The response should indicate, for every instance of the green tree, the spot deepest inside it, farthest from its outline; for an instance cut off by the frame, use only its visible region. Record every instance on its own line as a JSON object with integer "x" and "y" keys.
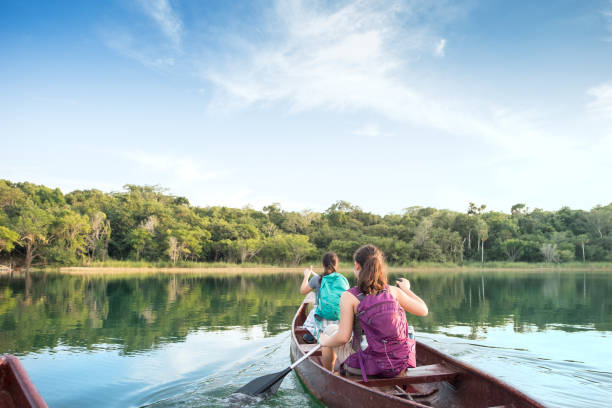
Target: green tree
{"x": 138, "y": 239}
{"x": 8, "y": 239}
{"x": 513, "y": 248}
{"x": 99, "y": 236}
{"x": 582, "y": 240}
{"x": 482, "y": 229}
{"x": 69, "y": 230}
{"x": 32, "y": 225}
{"x": 549, "y": 251}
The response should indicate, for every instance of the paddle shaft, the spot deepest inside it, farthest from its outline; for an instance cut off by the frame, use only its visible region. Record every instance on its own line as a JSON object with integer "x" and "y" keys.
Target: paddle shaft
{"x": 305, "y": 356}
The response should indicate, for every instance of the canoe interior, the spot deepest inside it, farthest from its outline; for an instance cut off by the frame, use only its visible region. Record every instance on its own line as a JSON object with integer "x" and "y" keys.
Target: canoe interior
{"x": 437, "y": 381}
{"x": 16, "y": 388}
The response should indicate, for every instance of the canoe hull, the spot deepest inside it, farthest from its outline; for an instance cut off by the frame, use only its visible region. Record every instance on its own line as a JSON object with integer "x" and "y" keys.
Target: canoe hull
{"x": 16, "y": 388}
{"x": 449, "y": 383}
{"x": 333, "y": 390}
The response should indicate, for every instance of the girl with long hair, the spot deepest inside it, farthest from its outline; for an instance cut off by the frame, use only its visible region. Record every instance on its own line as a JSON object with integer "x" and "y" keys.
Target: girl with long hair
{"x": 381, "y": 342}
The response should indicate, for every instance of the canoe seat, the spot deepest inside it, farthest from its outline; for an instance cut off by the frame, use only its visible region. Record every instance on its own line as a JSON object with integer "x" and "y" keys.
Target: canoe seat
{"x": 300, "y": 331}
{"x": 418, "y": 375}
{"x": 307, "y": 347}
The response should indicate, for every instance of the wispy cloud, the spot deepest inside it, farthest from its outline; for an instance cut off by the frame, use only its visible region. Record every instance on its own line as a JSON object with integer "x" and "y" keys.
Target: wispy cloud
{"x": 363, "y": 56}
{"x": 123, "y": 42}
{"x": 439, "y": 50}
{"x": 176, "y": 168}
{"x": 369, "y": 130}
{"x": 343, "y": 58}
{"x": 607, "y": 15}
{"x": 151, "y": 50}
{"x": 165, "y": 16}
{"x": 367, "y": 57}
{"x": 602, "y": 98}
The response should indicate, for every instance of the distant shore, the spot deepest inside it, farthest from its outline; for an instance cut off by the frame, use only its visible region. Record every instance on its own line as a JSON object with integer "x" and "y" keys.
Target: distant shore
{"x": 127, "y": 267}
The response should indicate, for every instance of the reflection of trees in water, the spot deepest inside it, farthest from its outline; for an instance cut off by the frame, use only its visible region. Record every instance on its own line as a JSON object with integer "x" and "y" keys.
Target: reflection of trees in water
{"x": 138, "y": 313}
{"x": 525, "y": 299}
{"x": 141, "y": 313}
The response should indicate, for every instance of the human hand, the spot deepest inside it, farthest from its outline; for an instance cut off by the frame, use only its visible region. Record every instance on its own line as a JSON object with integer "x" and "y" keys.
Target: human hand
{"x": 307, "y": 271}
{"x": 329, "y": 332}
{"x": 403, "y": 284}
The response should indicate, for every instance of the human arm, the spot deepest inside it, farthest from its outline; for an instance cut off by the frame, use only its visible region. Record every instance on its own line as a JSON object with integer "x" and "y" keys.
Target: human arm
{"x": 305, "y": 287}
{"x": 348, "y": 303}
{"x": 408, "y": 300}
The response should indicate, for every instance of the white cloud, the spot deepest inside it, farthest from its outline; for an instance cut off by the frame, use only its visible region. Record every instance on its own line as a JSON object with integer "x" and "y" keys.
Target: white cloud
{"x": 602, "y": 98}
{"x": 608, "y": 17}
{"x": 369, "y": 130}
{"x": 361, "y": 57}
{"x": 175, "y": 168}
{"x": 364, "y": 57}
{"x": 166, "y": 18}
{"x": 440, "y": 47}
{"x": 142, "y": 46}
{"x": 124, "y": 43}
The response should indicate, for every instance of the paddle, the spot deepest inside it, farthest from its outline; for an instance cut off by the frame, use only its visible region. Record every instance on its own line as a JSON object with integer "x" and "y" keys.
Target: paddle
{"x": 268, "y": 384}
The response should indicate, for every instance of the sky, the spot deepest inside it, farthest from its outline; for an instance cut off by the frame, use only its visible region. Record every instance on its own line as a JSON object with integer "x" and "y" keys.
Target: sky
{"x": 384, "y": 104}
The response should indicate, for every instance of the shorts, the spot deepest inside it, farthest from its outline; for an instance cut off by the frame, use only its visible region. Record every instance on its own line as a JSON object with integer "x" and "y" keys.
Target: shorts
{"x": 342, "y": 352}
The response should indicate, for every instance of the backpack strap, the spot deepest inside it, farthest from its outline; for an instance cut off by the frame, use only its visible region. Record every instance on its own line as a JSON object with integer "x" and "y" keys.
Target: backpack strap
{"x": 318, "y": 295}
{"x": 361, "y": 366}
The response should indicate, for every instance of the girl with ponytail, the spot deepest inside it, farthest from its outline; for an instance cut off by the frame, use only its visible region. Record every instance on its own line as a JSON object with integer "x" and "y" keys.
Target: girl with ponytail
{"x": 328, "y": 288}
{"x": 381, "y": 341}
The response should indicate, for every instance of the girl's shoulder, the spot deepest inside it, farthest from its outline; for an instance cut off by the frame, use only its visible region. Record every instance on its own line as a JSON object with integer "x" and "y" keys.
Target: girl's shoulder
{"x": 393, "y": 290}
{"x": 351, "y": 294}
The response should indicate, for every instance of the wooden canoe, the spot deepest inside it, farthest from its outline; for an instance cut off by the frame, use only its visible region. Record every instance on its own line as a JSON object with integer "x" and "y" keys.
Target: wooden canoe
{"x": 16, "y": 388}
{"x": 437, "y": 381}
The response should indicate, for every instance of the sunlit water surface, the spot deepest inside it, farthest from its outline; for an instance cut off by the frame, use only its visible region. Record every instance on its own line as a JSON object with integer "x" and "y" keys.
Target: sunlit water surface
{"x": 190, "y": 341}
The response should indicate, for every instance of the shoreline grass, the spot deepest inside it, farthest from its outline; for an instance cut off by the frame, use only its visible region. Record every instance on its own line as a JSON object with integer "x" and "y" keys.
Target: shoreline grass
{"x": 117, "y": 266}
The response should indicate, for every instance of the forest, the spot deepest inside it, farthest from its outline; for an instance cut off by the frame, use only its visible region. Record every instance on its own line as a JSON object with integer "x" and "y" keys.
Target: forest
{"x": 42, "y": 226}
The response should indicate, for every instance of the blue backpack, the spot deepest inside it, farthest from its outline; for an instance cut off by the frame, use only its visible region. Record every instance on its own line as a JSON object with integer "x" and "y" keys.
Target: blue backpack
{"x": 328, "y": 296}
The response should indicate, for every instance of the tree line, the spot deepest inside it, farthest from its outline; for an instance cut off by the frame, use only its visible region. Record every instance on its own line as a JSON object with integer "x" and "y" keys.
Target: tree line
{"x": 40, "y": 225}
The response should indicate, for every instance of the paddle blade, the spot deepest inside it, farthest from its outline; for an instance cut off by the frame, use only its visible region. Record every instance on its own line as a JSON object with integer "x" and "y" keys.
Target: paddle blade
{"x": 264, "y": 386}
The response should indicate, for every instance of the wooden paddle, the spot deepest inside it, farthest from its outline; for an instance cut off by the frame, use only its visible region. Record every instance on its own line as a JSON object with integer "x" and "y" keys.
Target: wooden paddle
{"x": 268, "y": 384}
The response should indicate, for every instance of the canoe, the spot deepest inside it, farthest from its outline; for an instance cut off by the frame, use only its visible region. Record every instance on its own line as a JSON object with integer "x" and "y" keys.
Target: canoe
{"x": 16, "y": 388}
{"x": 438, "y": 380}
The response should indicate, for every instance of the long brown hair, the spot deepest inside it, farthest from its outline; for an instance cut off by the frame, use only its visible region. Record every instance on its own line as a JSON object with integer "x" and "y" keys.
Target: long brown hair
{"x": 330, "y": 263}
{"x": 373, "y": 275}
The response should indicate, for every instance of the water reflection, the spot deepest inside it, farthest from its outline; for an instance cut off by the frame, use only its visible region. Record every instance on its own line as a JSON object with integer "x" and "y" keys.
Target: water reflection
{"x": 557, "y": 301}
{"x": 139, "y": 313}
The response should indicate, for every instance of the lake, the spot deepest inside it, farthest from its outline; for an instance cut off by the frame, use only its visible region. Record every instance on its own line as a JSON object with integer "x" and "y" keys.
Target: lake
{"x": 168, "y": 340}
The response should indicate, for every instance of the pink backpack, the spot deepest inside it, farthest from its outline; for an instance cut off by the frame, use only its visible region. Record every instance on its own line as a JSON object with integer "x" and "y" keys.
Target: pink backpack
{"x": 383, "y": 321}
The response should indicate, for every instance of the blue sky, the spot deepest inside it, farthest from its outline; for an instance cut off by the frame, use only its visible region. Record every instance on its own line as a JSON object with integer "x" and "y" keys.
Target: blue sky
{"x": 383, "y": 104}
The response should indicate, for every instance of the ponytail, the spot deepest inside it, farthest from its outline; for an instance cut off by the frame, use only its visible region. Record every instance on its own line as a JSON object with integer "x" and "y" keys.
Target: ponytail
{"x": 373, "y": 276}
{"x": 330, "y": 263}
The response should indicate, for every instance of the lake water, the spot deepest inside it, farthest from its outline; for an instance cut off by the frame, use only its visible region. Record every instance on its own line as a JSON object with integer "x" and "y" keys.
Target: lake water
{"x": 165, "y": 340}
